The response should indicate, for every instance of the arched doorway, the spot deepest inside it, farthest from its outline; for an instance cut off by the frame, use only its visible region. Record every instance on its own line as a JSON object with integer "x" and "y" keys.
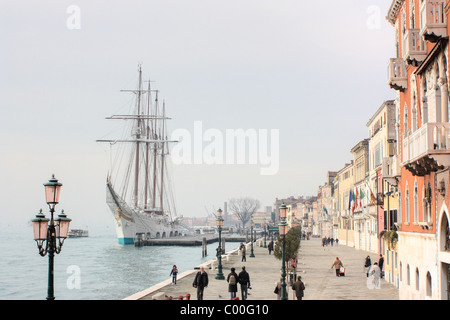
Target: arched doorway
{"x": 444, "y": 256}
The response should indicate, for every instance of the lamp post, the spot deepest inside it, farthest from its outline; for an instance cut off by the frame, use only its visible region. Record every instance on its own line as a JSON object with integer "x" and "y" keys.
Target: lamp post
{"x": 283, "y": 227}
{"x": 265, "y": 233}
{"x": 219, "y": 222}
{"x": 49, "y": 233}
{"x": 252, "y": 224}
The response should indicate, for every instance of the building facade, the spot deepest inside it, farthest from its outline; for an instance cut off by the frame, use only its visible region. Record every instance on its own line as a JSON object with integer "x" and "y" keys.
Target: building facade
{"x": 419, "y": 75}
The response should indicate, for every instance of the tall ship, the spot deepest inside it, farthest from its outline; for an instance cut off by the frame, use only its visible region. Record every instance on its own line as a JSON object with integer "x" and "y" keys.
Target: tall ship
{"x": 139, "y": 188}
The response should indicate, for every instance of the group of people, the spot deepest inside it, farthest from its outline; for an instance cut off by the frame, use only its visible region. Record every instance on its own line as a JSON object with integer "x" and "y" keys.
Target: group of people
{"x": 298, "y": 287}
{"x": 243, "y": 278}
{"x": 374, "y": 272}
{"x": 327, "y": 240}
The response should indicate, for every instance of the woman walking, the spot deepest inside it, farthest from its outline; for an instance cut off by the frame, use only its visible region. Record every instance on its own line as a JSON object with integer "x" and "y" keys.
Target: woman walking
{"x": 232, "y": 280}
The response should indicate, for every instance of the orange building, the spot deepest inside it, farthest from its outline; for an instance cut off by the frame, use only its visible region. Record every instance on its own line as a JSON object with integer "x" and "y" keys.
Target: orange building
{"x": 419, "y": 74}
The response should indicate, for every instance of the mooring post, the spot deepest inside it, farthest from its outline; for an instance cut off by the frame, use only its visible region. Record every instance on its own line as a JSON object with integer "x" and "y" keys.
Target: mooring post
{"x": 204, "y": 251}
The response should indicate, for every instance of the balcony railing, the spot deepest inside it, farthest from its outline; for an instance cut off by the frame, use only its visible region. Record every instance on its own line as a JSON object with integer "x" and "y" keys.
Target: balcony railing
{"x": 432, "y": 140}
{"x": 397, "y": 76}
{"x": 391, "y": 169}
{"x": 414, "y": 48}
{"x": 433, "y": 20}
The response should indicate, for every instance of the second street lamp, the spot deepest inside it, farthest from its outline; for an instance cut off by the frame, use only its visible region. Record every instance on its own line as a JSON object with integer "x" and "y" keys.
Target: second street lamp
{"x": 252, "y": 224}
{"x": 283, "y": 228}
{"x": 219, "y": 222}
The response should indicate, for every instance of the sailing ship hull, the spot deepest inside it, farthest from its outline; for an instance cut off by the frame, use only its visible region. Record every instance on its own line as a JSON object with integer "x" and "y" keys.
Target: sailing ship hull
{"x": 130, "y": 224}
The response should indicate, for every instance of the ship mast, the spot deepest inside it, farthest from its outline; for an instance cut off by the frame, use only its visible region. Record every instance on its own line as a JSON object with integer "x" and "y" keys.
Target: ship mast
{"x": 162, "y": 155}
{"x": 155, "y": 147}
{"x": 138, "y": 136}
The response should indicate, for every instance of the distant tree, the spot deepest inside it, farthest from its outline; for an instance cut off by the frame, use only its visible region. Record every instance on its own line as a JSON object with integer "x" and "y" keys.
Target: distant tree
{"x": 244, "y": 208}
{"x": 291, "y": 247}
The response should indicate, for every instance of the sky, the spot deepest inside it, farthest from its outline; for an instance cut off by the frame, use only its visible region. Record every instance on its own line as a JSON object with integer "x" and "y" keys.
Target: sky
{"x": 314, "y": 71}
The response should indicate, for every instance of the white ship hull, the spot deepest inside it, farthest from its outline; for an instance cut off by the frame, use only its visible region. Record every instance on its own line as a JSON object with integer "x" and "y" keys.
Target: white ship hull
{"x": 130, "y": 223}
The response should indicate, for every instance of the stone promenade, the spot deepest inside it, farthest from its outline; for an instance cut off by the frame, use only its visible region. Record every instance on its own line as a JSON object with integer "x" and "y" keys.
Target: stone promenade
{"x": 314, "y": 267}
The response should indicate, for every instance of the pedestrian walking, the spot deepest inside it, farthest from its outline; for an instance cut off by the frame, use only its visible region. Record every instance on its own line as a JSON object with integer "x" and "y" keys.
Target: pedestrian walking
{"x": 232, "y": 280}
{"x": 337, "y": 265}
{"x": 270, "y": 247}
{"x": 299, "y": 288}
{"x": 337, "y": 242}
{"x": 174, "y": 273}
{"x": 200, "y": 282}
{"x": 367, "y": 265}
{"x": 380, "y": 265}
{"x": 243, "y": 254}
{"x": 244, "y": 281}
{"x": 277, "y": 290}
{"x": 374, "y": 277}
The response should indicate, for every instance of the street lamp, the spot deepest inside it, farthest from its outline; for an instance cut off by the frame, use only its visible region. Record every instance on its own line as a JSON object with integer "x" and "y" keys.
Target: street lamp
{"x": 219, "y": 222}
{"x": 265, "y": 233}
{"x": 283, "y": 228}
{"x": 252, "y": 224}
{"x": 49, "y": 233}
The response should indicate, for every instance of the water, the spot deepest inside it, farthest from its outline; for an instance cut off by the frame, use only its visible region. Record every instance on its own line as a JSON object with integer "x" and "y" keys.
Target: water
{"x": 93, "y": 268}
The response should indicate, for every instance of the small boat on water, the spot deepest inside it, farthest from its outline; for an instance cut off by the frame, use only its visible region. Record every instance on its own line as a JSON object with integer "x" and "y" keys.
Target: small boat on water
{"x": 78, "y": 233}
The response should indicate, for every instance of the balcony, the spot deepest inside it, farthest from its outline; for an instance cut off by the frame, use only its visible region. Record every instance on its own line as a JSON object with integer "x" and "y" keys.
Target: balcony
{"x": 414, "y": 48}
{"x": 427, "y": 149}
{"x": 391, "y": 170}
{"x": 433, "y": 20}
{"x": 397, "y": 76}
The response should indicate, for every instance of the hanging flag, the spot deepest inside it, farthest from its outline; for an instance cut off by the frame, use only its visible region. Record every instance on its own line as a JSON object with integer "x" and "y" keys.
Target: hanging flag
{"x": 350, "y": 200}
{"x": 362, "y": 195}
{"x": 356, "y": 204}
{"x": 325, "y": 209}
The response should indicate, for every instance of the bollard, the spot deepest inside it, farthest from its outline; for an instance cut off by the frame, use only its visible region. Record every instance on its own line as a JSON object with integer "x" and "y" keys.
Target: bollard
{"x": 188, "y": 297}
{"x": 204, "y": 251}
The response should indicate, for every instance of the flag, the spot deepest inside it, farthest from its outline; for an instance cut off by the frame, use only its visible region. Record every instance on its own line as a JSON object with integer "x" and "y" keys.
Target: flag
{"x": 325, "y": 209}
{"x": 362, "y": 195}
{"x": 350, "y": 200}
{"x": 354, "y": 202}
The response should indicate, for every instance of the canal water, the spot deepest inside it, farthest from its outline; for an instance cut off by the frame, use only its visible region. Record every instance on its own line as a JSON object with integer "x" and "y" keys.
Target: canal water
{"x": 93, "y": 268}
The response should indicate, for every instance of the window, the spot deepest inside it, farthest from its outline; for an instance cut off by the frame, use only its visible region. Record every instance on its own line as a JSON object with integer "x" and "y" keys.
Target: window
{"x": 416, "y": 204}
{"x": 407, "y": 204}
{"x": 417, "y": 279}
{"x": 408, "y": 275}
{"x": 429, "y": 285}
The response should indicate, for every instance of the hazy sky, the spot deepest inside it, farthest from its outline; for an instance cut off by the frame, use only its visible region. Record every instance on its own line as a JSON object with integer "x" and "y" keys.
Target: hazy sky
{"x": 315, "y": 70}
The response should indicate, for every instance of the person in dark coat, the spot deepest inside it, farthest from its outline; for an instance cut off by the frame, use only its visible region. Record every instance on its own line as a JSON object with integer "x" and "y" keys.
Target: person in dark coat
{"x": 232, "y": 280}
{"x": 244, "y": 280}
{"x": 380, "y": 264}
{"x": 299, "y": 288}
{"x": 200, "y": 282}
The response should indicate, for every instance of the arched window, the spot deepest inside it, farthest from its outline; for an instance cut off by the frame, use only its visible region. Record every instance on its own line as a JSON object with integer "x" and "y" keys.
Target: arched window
{"x": 407, "y": 204}
{"x": 429, "y": 285}
{"x": 408, "y": 275}
{"x": 417, "y": 279}
{"x": 401, "y": 272}
{"x": 416, "y": 203}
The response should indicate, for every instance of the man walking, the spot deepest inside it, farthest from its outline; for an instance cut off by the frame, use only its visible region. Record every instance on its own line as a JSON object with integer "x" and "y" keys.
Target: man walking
{"x": 244, "y": 280}
{"x": 337, "y": 264}
{"x": 380, "y": 265}
{"x": 243, "y": 254}
{"x": 200, "y": 282}
{"x": 299, "y": 288}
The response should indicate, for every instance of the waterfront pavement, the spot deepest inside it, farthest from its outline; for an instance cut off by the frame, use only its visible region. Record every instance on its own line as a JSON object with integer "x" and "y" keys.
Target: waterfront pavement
{"x": 314, "y": 266}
